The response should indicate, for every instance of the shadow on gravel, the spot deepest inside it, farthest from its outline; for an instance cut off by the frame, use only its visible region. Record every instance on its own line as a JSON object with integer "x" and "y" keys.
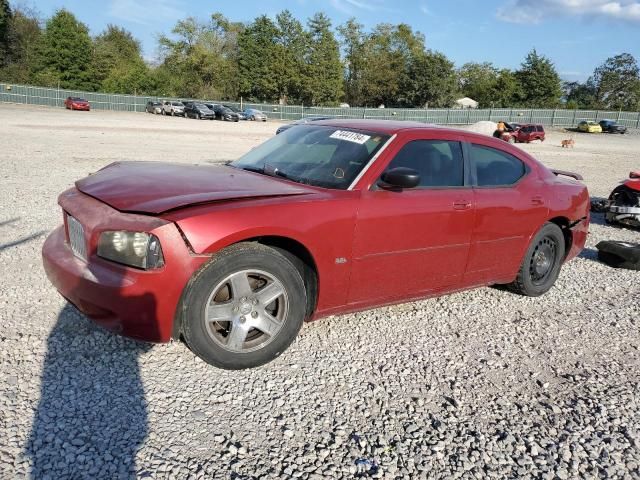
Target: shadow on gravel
{"x": 9, "y": 222}
{"x": 20, "y": 241}
{"x": 92, "y": 414}
{"x": 589, "y": 254}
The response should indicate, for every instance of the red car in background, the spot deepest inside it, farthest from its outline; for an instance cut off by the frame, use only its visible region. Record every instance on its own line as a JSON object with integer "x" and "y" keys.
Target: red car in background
{"x": 77, "y": 103}
{"x": 529, "y": 133}
{"x": 516, "y": 133}
{"x": 325, "y": 218}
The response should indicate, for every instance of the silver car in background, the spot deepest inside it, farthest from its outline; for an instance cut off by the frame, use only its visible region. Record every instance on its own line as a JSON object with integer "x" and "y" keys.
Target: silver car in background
{"x": 256, "y": 115}
{"x": 173, "y": 108}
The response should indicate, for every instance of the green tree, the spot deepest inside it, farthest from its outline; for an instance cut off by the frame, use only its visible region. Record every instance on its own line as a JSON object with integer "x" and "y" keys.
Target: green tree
{"x": 200, "y": 58}
{"x": 432, "y": 80}
{"x": 580, "y": 95}
{"x": 389, "y": 52}
{"x": 24, "y": 35}
{"x": 353, "y": 39}
{"x": 617, "y": 83}
{"x": 118, "y": 63}
{"x": 478, "y": 81}
{"x": 5, "y": 29}
{"x": 506, "y": 89}
{"x": 324, "y": 73}
{"x": 258, "y": 59}
{"x": 293, "y": 43}
{"x": 64, "y": 54}
{"x": 539, "y": 81}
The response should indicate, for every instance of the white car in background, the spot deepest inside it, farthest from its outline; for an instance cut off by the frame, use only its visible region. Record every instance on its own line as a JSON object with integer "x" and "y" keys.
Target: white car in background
{"x": 173, "y": 108}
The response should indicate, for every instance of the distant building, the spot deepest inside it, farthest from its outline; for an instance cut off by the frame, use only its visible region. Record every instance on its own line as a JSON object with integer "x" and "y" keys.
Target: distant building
{"x": 465, "y": 102}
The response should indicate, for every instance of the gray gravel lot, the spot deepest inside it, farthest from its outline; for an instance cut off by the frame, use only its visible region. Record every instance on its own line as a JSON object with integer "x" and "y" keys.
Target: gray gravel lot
{"x": 481, "y": 384}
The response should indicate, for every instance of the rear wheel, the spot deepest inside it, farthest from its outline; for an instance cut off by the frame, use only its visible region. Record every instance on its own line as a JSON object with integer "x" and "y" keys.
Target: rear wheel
{"x": 244, "y": 308}
{"x": 542, "y": 262}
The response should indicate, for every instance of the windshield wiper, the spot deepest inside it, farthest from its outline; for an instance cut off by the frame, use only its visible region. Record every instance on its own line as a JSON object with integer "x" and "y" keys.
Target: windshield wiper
{"x": 249, "y": 168}
{"x": 274, "y": 172}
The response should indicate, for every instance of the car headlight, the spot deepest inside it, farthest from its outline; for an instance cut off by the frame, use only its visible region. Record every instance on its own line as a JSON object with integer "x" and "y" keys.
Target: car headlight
{"x": 135, "y": 249}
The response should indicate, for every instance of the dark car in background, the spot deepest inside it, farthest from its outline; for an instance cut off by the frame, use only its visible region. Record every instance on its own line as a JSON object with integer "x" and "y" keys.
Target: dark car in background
{"x": 302, "y": 121}
{"x": 77, "y": 103}
{"x": 198, "y": 111}
{"x": 223, "y": 113}
{"x": 153, "y": 107}
{"x": 611, "y": 126}
{"x": 236, "y": 110}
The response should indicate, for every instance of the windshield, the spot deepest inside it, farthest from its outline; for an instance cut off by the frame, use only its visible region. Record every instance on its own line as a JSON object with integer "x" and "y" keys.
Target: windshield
{"x": 323, "y": 156}
{"x": 177, "y": 104}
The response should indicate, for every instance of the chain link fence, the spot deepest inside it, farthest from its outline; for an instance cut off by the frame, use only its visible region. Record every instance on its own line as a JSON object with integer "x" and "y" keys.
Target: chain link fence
{"x": 55, "y": 97}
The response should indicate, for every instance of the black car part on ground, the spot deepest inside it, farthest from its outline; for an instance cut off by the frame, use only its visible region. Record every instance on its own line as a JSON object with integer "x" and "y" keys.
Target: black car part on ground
{"x": 619, "y": 254}
{"x": 623, "y": 206}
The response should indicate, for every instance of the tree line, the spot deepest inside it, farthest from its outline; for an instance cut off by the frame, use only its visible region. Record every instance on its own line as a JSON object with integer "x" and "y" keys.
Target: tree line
{"x": 282, "y": 59}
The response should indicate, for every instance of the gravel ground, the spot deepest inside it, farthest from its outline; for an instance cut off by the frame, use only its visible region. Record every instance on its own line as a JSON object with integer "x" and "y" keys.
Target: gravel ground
{"x": 481, "y": 384}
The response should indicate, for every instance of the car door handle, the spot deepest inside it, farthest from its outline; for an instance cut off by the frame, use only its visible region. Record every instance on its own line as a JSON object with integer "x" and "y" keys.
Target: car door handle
{"x": 537, "y": 200}
{"x": 461, "y": 205}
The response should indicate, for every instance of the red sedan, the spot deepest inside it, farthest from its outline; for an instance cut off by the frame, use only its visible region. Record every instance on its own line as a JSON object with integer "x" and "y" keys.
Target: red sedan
{"x": 77, "y": 103}
{"x": 322, "y": 219}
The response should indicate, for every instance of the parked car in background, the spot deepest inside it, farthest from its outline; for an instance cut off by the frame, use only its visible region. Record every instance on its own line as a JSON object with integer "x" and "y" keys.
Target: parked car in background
{"x": 529, "y": 133}
{"x": 77, "y": 103}
{"x": 154, "y": 107}
{"x": 302, "y": 121}
{"x": 589, "y": 127}
{"x": 240, "y": 113}
{"x": 611, "y": 126}
{"x": 198, "y": 111}
{"x": 173, "y": 108}
{"x": 223, "y": 113}
{"x": 327, "y": 218}
{"x": 256, "y": 115}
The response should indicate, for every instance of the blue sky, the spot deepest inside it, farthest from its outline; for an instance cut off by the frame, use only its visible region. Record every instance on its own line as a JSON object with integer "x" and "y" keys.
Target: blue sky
{"x": 577, "y": 35}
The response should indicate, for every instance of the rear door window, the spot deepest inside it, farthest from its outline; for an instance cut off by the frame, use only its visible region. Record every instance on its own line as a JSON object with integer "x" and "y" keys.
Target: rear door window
{"x": 495, "y": 168}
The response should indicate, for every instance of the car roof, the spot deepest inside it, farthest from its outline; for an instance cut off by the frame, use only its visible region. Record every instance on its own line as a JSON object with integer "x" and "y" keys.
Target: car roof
{"x": 391, "y": 127}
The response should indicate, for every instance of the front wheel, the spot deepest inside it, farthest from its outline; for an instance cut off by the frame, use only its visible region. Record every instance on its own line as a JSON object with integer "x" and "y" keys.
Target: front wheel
{"x": 541, "y": 265}
{"x": 244, "y": 308}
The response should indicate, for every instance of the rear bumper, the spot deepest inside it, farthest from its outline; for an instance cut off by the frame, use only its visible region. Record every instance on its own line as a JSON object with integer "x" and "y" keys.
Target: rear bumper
{"x": 135, "y": 303}
{"x": 579, "y": 233}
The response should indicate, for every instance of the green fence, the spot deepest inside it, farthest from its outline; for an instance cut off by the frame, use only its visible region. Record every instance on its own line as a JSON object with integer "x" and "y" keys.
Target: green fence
{"x": 55, "y": 97}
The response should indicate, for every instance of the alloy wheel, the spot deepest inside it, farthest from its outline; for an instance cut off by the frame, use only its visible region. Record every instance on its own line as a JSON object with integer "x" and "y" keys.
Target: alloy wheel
{"x": 246, "y": 310}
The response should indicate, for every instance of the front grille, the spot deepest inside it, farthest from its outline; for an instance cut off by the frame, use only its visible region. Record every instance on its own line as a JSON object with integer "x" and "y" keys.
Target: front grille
{"x": 76, "y": 237}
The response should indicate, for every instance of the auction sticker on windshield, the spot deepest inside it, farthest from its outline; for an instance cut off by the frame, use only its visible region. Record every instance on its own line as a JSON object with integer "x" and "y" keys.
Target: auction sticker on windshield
{"x": 350, "y": 136}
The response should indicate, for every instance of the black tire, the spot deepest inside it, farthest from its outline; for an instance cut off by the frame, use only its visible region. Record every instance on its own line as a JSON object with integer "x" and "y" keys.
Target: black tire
{"x": 619, "y": 254}
{"x": 239, "y": 258}
{"x": 534, "y": 277}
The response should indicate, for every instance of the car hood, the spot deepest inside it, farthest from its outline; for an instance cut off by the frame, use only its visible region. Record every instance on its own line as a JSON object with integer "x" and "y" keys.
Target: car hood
{"x": 157, "y": 187}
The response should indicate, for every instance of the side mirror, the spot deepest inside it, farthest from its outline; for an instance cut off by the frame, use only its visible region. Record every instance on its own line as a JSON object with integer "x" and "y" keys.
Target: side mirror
{"x": 399, "y": 178}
